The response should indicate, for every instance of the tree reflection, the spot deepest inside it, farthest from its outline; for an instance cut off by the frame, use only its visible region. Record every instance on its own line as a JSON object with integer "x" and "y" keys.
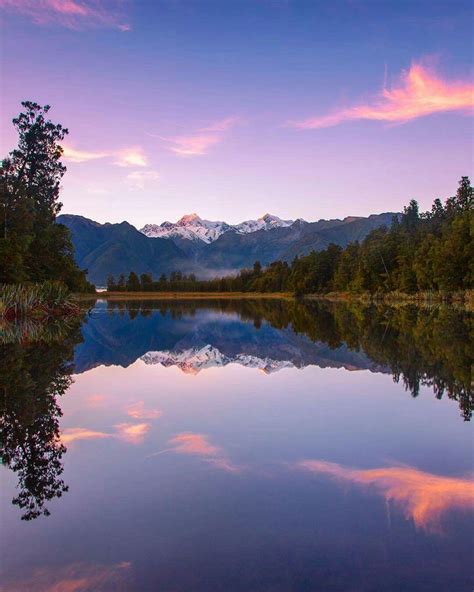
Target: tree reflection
{"x": 33, "y": 374}
{"x": 420, "y": 346}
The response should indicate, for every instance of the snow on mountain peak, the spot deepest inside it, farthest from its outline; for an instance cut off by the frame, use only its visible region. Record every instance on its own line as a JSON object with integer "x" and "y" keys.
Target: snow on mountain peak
{"x": 189, "y": 219}
{"x": 195, "y": 359}
{"x": 193, "y": 227}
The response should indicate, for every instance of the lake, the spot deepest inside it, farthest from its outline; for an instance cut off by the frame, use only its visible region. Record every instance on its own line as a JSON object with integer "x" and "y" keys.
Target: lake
{"x": 252, "y": 445}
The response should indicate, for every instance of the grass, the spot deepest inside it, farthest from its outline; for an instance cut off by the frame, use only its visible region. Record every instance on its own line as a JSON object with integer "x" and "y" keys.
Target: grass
{"x": 38, "y": 301}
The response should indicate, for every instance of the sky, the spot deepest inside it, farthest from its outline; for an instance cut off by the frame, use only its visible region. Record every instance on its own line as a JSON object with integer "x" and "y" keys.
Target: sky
{"x": 231, "y": 109}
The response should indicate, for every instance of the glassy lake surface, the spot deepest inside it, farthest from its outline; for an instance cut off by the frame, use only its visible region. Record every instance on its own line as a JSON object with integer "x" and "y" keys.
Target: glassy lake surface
{"x": 239, "y": 445}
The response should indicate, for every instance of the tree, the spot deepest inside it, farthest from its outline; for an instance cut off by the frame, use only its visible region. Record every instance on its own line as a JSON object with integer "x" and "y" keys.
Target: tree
{"x": 111, "y": 285}
{"x": 121, "y": 285}
{"x": 133, "y": 283}
{"x": 33, "y": 246}
{"x": 146, "y": 282}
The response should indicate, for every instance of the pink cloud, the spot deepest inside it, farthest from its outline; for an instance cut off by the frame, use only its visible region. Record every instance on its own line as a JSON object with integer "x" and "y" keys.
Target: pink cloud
{"x": 198, "y": 144}
{"x": 195, "y": 145}
{"x": 72, "y": 14}
{"x": 424, "y": 497}
{"x": 74, "y": 155}
{"x": 131, "y": 157}
{"x": 419, "y": 92}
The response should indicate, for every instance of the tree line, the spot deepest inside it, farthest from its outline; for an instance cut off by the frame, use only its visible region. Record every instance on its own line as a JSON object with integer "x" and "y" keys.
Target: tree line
{"x": 33, "y": 247}
{"x": 421, "y": 251}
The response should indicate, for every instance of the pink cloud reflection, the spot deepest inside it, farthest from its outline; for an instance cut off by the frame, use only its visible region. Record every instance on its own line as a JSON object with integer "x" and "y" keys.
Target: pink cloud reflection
{"x": 133, "y": 433}
{"x": 199, "y": 445}
{"x": 77, "y": 577}
{"x": 424, "y": 497}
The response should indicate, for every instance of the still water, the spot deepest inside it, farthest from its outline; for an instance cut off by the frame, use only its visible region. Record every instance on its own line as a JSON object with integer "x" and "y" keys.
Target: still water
{"x": 259, "y": 446}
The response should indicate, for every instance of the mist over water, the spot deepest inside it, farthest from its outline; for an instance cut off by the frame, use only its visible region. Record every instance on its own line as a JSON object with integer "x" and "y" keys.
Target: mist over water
{"x": 239, "y": 445}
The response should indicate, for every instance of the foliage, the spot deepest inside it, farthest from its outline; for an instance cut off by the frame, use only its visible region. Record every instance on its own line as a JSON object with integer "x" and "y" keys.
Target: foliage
{"x": 33, "y": 247}
{"x": 42, "y": 300}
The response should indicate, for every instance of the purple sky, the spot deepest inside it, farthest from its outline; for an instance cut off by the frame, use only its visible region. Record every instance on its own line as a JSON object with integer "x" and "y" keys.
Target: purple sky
{"x": 237, "y": 108}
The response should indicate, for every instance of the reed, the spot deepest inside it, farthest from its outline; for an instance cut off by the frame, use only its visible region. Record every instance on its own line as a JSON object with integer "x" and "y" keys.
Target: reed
{"x": 43, "y": 300}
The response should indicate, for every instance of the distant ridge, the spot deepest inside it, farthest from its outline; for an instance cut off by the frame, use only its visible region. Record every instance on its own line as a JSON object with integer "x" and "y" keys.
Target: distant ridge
{"x": 204, "y": 247}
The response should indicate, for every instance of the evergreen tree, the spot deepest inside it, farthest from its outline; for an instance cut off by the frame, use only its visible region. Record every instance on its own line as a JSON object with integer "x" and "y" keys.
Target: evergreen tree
{"x": 133, "y": 283}
{"x": 32, "y": 245}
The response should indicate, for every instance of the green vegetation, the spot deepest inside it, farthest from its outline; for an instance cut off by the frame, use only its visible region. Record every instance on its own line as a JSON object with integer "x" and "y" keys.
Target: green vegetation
{"x": 33, "y": 247}
{"x": 41, "y": 301}
{"x": 431, "y": 251}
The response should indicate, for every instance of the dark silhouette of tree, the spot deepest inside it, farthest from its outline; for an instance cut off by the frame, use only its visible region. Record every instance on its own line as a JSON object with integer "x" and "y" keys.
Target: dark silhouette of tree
{"x": 32, "y": 245}
{"x": 32, "y": 377}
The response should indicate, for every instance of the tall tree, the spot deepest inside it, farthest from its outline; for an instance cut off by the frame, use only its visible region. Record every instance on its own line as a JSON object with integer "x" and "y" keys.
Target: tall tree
{"x": 30, "y": 179}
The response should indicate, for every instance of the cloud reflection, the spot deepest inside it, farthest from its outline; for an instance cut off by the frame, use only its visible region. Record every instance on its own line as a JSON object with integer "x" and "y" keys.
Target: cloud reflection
{"x": 77, "y": 577}
{"x": 73, "y": 434}
{"x": 424, "y": 497}
{"x": 137, "y": 411}
{"x": 199, "y": 445}
{"x": 133, "y": 433}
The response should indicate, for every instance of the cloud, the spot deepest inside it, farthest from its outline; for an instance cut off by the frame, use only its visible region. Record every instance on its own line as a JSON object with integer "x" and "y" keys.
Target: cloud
{"x": 419, "y": 92}
{"x": 72, "y": 14}
{"x": 73, "y": 155}
{"x": 424, "y": 497}
{"x": 199, "y": 445}
{"x": 131, "y": 157}
{"x": 133, "y": 433}
{"x": 138, "y": 179}
{"x": 198, "y": 144}
{"x": 77, "y": 577}
{"x": 138, "y": 411}
{"x": 222, "y": 125}
{"x": 74, "y": 434}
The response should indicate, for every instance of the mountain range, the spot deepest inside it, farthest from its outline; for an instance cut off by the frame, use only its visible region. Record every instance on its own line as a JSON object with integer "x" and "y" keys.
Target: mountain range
{"x": 203, "y": 247}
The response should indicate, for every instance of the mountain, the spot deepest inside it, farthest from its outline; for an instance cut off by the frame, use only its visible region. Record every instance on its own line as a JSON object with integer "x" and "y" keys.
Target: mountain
{"x": 204, "y": 247}
{"x": 105, "y": 249}
{"x": 193, "y": 228}
{"x": 233, "y": 251}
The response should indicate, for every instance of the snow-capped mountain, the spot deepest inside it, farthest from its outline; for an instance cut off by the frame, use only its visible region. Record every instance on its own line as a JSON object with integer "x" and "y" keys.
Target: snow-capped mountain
{"x": 192, "y": 227}
{"x": 193, "y": 360}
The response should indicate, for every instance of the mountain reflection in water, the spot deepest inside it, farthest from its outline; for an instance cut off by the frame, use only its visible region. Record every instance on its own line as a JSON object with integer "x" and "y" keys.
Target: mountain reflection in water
{"x": 418, "y": 346}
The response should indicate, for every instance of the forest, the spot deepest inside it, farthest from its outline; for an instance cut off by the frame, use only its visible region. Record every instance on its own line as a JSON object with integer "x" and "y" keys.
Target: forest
{"x": 430, "y": 251}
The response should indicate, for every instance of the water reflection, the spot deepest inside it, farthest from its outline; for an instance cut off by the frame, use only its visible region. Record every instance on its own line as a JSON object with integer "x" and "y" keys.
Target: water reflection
{"x": 239, "y": 446}
{"x": 33, "y": 374}
{"x": 425, "y": 497}
{"x": 419, "y": 346}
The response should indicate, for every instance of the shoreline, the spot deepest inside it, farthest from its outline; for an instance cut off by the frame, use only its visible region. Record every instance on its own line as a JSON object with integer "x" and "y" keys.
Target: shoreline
{"x": 464, "y": 299}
